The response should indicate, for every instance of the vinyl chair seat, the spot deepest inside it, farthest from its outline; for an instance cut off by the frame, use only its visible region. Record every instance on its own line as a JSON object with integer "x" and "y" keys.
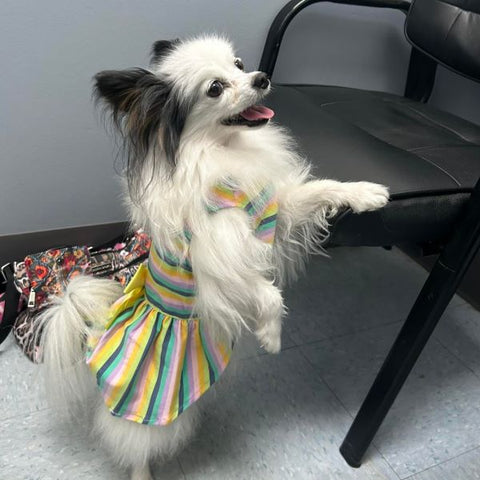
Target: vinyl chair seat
{"x": 429, "y": 159}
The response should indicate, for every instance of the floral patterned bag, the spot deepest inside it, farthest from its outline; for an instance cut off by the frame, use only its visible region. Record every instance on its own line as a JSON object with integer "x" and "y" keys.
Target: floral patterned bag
{"x": 39, "y": 278}
{"x": 49, "y": 272}
{"x": 42, "y": 276}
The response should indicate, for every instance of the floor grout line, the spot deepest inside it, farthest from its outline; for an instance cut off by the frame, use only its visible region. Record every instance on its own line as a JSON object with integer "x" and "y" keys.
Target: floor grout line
{"x": 456, "y": 357}
{"x": 356, "y": 331}
{"x": 318, "y": 376}
{"x": 333, "y": 337}
{"x": 343, "y": 335}
{"x": 32, "y": 412}
{"x": 321, "y": 340}
{"x": 441, "y": 463}
{"x": 261, "y": 354}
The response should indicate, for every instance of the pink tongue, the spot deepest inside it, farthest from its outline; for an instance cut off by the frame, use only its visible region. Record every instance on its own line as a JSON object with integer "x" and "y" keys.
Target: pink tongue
{"x": 257, "y": 112}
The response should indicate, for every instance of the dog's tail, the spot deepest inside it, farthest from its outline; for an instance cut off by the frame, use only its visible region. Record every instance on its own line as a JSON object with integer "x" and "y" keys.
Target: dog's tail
{"x": 65, "y": 327}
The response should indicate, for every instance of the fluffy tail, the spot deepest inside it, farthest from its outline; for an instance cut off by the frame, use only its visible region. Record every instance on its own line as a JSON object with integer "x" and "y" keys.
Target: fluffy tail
{"x": 72, "y": 318}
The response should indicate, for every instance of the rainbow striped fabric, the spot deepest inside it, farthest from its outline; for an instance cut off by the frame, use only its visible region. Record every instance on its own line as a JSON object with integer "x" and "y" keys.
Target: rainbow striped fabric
{"x": 154, "y": 359}
{"x": 262, "y": 209}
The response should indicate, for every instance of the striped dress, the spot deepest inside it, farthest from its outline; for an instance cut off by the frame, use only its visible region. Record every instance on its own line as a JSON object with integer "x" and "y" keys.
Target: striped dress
{"x": 154, "y": 358}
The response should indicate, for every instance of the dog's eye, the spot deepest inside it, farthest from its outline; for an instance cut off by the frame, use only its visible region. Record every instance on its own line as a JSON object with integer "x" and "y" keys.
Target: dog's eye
{"x": 215, "y": 89}
{"x": 239, "y": 64}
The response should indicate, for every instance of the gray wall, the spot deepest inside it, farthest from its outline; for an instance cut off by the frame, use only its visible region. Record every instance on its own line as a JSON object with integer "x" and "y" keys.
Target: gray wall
{"x": 57, "y": 163}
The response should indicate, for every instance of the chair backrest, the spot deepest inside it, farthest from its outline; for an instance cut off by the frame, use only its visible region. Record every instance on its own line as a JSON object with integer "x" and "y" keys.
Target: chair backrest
{"x": 449, "y": 32}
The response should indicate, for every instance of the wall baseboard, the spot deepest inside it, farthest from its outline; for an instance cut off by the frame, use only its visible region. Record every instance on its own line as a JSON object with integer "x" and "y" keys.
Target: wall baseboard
{"x": 16, "y": 247}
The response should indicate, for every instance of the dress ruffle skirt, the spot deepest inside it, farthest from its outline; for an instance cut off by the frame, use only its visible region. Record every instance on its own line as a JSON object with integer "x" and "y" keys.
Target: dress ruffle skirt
{"x": 151, "y": 366}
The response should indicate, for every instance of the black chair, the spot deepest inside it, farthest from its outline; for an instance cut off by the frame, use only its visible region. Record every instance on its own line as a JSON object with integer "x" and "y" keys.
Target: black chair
{"x": 429, "y": 159}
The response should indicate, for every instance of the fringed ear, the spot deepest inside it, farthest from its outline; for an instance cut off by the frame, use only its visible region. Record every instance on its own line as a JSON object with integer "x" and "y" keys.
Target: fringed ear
{"x": 147, "y": 113}
{"x": 136, "y": 100}
{"x": 119, "y": 89}
{"x": 162, "y": 48}
{"x": 142, "y": 105}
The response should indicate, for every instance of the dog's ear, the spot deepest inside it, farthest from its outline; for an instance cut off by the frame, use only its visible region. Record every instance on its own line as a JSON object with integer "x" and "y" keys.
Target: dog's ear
{"x": 145, "y": 111}
{"x": 161, "y": 48}
{"x": 136, "y": 100}
{"x": 119, "y": 89}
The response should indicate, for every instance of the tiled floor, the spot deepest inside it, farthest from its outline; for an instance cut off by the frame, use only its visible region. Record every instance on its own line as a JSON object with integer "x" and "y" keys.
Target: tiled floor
{"x": 280, "y": 417}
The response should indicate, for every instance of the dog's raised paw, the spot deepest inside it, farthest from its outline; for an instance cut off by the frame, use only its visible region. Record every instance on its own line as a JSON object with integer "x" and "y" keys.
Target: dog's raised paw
{"x": 368, "y": 196}
{"x": 141, "y": 473}
{"x": 270, "y": 338}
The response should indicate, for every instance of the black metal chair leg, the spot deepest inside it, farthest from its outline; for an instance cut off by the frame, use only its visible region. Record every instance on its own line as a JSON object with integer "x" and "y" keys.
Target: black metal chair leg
{"x": 427, "y": 310}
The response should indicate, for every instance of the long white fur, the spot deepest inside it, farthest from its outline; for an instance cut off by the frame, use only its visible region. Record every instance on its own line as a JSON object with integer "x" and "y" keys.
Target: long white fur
{"x": 79, "y": 313}
{"x": 239, "y": 277}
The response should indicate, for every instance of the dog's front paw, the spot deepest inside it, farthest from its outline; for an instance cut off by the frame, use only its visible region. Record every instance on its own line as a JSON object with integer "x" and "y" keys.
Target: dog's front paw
{"x": 141, "y": 473}
{"x": 270, "y": 337}
{"x": 368, "y": 196}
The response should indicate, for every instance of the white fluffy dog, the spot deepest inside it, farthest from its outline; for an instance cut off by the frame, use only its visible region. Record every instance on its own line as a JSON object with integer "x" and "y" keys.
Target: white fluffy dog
{"x": 191, "y": 122}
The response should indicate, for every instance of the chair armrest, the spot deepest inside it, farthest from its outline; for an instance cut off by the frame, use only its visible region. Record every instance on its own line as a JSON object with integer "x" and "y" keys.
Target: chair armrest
{"x": 291, "y": 10}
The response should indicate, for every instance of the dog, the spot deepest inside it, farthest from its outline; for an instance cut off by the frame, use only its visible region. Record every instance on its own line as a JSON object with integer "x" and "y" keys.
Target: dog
{"x": 233, "y": 213}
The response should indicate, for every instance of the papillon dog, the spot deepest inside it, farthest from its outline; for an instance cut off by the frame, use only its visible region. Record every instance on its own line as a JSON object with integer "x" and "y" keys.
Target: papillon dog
{"x": 233, "y": 213}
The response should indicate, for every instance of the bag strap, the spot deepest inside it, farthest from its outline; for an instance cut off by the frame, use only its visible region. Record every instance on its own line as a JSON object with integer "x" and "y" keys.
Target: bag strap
{"x": 12, "y": 296}
{"x": 111, "y": 243}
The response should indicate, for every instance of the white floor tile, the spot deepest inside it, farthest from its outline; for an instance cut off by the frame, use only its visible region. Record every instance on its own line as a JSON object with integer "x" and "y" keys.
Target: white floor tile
{"x": 273, "y": 419}
{"x": 20, "y": 382}
{"x": 437, "y": 414}
{"x": 36, "y": 447}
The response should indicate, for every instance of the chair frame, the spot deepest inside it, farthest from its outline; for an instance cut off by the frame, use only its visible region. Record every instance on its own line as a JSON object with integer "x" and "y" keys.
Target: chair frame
{"x": 446, "y": 274}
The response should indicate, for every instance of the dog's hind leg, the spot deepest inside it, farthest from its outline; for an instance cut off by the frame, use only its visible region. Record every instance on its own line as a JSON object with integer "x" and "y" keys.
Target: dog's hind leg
{"x": 232, "y": 270}
{"x": 134, "y": 446}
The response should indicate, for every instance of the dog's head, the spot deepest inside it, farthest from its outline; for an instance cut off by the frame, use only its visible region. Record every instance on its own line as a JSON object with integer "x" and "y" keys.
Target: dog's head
{"x": 194, "y": 87}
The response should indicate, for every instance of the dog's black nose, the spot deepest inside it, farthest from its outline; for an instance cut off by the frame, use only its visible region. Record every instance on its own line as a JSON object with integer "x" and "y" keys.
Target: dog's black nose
{"x": 261, "y": 81}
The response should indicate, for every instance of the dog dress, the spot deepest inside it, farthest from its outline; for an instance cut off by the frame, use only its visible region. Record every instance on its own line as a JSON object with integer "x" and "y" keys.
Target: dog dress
{"x": 155, "y": 358}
